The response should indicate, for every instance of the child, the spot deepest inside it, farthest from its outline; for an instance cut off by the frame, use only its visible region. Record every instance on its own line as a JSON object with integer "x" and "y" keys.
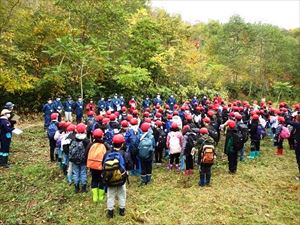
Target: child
{"x": 160, "y": 141}
{"x": 95, "y": 153}
{"x": 278, "y": 140}
{"x": 255, "y": 136}
{"x": 174, "y": 143}
{"x": 146, "y": 148}
{"x": 51, "y": 130}
{"x": 188, "y": 144}
{"x": 206, "y": 156}
{"x": 229, "y": 147}
{"x": 6, "y": 129}
{"x": 78, "y": 157}
{"x": 114, "y": 176}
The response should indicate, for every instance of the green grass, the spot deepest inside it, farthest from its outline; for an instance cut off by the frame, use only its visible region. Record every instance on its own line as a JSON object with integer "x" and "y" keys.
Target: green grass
{"x": 33, "y": 191}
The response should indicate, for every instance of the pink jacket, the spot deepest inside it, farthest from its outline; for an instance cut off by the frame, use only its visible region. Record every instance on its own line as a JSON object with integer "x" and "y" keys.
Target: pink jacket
{"x": 175, "y": 146}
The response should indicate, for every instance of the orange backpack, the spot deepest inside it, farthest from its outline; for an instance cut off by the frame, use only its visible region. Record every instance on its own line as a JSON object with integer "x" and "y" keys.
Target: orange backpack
{"x": 95, "y": 156}
{"x": 208, "y": 154}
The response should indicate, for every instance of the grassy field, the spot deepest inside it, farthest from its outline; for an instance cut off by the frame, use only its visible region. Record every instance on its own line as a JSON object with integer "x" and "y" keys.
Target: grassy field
{"x": 264, "y": 191}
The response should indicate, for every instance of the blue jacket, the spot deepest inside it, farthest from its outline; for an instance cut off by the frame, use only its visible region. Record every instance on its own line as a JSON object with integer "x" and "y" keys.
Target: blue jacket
{"x": 57, "y": 105}
{"x": 5, "y": 129}
{"x": 115, "y": 102}
{"x": 48, "y": 109}
{"x": 68, "y": 105}
{"x": 171, "y": 102}
{"x": 78, "y": 106}
{"x": 101, "y": 105}
{"x": 195, "y": 101}
{"x": 157, "y": 101}
{"x": 122, "y": 101}
{"x": 146, "y": 103}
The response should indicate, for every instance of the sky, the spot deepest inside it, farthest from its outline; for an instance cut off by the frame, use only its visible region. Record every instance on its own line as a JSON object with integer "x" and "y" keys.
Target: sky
{"x": 282, "y": 13}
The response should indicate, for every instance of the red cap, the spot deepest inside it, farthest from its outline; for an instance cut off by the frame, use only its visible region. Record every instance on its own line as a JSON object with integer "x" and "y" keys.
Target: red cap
{"x": 203, "y": 130}
{"x": 147, "y": 120}
{"x": 129, "y": 117}
{"x": 99, "y": 118}
{"x": 255, "y": 117}
{"x": 174, "y": 125}
{"x": 210, "y": 113}
{"x": 108, "y": 113}
{"x": 62, "y": 124}
{"x": 124, "y": 123}
{"x": 281, "y": 119}
{"x": 112, "y": 117}
{"x": 206, "y": 120}
{"x": 175, "y": 113}
{"x": 158, "y": 123}
{"x": 118, "y": 139}
{"x": 135, "y": 112}
{"x": 238, "y": 116}
{"x": 231, "y": 124}
{"x": 90, "y": 113}
{"x": 54, "y": 116}
{"x": 145, "y": 127}
{"x": 146, "y": 114}
{"x": 98, "y": 133}
{"x": 105, "y": 120}
{"x": 123, "y": 109}
{"x": 158, "y": 115}
{"x": 169, "y": 116}
{"x": 81, "y": 128}
{"x": 133, "y": 121}
{"x": 71, "y": 128}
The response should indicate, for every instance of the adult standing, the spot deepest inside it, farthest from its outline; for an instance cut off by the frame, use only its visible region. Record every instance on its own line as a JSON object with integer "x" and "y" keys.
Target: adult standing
{"x": 78, "y": 106}
{"x": 58, "y": 107}
{"x": 48, "y": 110}
{"x": 68, "y": 106}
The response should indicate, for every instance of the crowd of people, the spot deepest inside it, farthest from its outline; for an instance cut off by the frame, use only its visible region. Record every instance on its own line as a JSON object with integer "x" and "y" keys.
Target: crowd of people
{"x": 115, "y": 139}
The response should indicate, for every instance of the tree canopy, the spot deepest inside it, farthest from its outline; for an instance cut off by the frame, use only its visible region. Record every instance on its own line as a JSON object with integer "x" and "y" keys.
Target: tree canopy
{"x": 48, "y": 48}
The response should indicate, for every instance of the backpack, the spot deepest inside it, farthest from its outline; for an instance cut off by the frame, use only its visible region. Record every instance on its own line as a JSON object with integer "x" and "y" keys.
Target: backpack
{"x": 51, "y": 130}
{"x": 145, "y": 147}
{"x": 261, "y": 131}
{"x": 134, "y": 142}
{"x": 77, "y": 152}
{"x": 109, "y": 134}
{"x": 190, "y": 141}
{"x": 245, "y": 131}
{"x": 174, "y": 144}
{"x": 238, "y": 140}
{"x": 285, "y": 133}
{"x": 95, "y": 156}
{"x": 114, "y": 172}
{"x": 208, "y": 154}
{"x": 161, "y": 142}
{"x": 90, "y": 124}
{"x": 214, "y": 134}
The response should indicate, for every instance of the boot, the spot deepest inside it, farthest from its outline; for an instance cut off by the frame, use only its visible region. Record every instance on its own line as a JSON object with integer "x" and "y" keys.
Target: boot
{"x": 251, "y": 155}
{"x": 76, "y": 188}
{"x": 1, "y": 160}
{"x": 186, "y": 172}
{"x": 208, "y": 176}
{"x": 190, "y": 172}
{"x": 257, "y": 153}
{"x": 95, "y": 194}
{"x": 122, "y": 211}
{"x": 279, "y": 151}
{"x": 110, "y": 214}
{"x": 202, "y": 180}
{"x": 143, "y": 180}
{"x": 148, "y": 178}
{"x": 83, "y": 188}
{"x": 101, "y": 194}
{"x": 65, "y": 170}
{"x": 5, "y": 160}
{"x": 170, "y": 166}
{"x": 177, "y": 167}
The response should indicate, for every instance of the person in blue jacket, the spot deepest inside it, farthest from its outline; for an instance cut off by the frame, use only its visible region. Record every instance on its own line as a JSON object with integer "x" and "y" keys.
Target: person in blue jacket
{"x": 116, "y": 103}
{"x": 68, "y": 106}
{"x": 122, "y": 101}
{"x": 157, "y": 100}
{"x": 58, "y": 107}
{"x": 195, "y": 102}
{"x": 101, "y": 105}
{"x": 78, "y": 106}
{"x": 146, "y": 103}
{"x": 6, "y": 129}
{"x": 109, "y": 105}
{"x": 47, "y": 110}
{"x": 171, "y": 102}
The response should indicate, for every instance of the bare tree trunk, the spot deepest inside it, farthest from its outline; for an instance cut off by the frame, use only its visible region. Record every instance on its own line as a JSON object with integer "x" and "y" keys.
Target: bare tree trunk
{"x": 81, "y": 83}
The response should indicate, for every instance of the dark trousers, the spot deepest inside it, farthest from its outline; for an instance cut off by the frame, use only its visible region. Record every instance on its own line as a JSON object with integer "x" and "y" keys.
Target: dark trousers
{"x": 146, "y": 167}
{"x": 291, "y": 143}
{"x": 232, "y": 161}
{"x": 158, "y": 154}
{"x": 297, "y": 152}
{"x": 52, "y": 144}
{"x": 96, "y": 179}
{"x": 174, "y": 157}
{"x": 79, "y": 118}
{"x": 205, "y": 174}
{"x": 255, "y": 145}
{"x": 189, "y": 162}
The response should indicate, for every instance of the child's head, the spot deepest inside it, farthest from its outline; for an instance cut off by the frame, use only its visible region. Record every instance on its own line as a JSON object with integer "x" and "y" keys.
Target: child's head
{"x": 118, "y": 140}
{"x": 81, "y": 128}
{"x": 231, "y": 124}
{"x": 71, "y": 128}
{"x": 203, "y": 131}
{"x": 174, "y": 127}
{"x": 145, "y": 127}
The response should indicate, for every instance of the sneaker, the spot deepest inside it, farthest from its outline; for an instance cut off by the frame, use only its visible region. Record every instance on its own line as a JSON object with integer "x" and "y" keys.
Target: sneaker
{"x": 297, "y": 178}
{"x": 110, "y": 214}
{"x": 122, "y": 212}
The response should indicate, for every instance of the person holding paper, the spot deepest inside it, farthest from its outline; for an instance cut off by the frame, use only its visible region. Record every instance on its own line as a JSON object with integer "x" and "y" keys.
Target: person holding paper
{"x": 6, "y": 129}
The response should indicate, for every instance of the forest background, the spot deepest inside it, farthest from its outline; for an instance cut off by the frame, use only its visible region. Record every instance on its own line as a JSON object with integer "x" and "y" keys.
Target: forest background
{"x": 124, "y": 46}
